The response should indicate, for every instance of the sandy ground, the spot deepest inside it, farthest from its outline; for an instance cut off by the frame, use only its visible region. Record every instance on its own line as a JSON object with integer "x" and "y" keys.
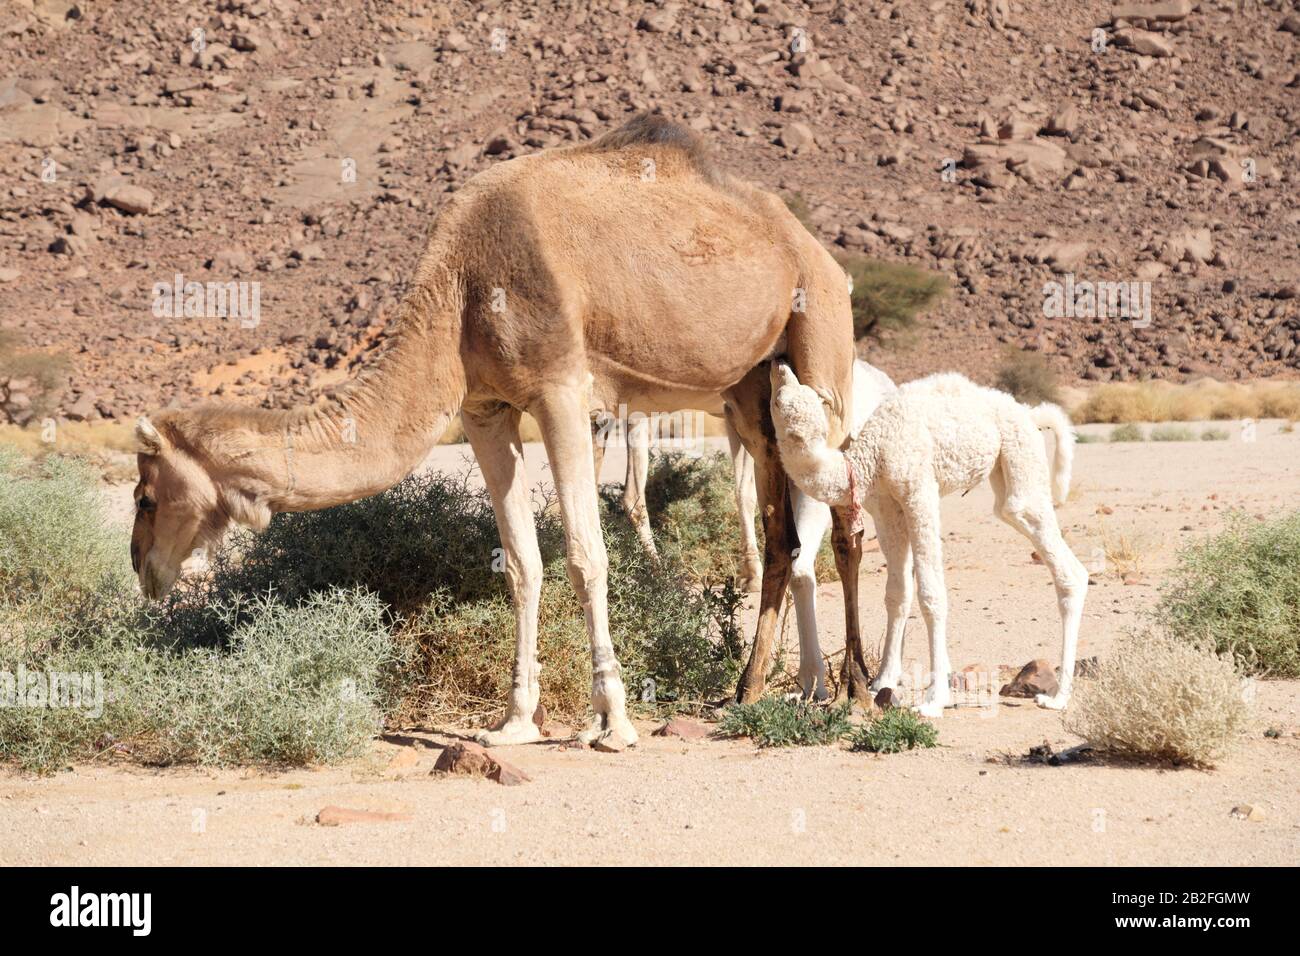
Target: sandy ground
{"x": 666, "y": 801}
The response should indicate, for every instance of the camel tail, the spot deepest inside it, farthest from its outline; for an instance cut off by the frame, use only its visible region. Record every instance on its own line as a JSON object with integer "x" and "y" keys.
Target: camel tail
{"x": 1053, "y": 417}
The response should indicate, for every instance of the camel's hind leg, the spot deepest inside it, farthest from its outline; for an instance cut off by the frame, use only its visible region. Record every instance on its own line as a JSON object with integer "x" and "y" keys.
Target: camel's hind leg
{"x": 923, "y": 528}
{"x": 1026, "y": 505}
{"x": 891, "y": 530}
{"x": 747, "y": 409}
{"x": 638, "y": 470}
{"x": 494, "y": 435}
{"x": 742, "y": 468}
{"x": 563, "y": 418}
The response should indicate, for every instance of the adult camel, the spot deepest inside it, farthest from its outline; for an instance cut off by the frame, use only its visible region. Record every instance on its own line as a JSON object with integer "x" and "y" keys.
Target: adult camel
{"x": 561, "y": 283}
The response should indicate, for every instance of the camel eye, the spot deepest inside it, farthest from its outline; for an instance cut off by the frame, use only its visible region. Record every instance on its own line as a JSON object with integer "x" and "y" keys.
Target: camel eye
{"x": 146, "y": 503}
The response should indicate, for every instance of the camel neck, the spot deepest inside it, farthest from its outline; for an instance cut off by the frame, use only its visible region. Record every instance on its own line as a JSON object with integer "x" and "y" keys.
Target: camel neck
{"x": 365, "y": 436}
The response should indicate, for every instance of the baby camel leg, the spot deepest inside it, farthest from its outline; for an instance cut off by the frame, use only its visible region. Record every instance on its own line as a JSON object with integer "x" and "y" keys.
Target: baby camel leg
{"x": 922, "y": 511}
{"x": 812, "y": 520}
{"x": 742, "y": 467}
{"x": 891, "y": 531}
{"x": 1031, "y": 513}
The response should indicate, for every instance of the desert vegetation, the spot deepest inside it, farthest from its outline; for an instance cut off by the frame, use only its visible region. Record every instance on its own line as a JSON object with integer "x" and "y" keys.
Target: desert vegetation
{"x": 1205, "y": 400}
{"x": 296, "y": 645}
{"x": 1238, "y": 592}
{"x": 1160, "y": 697}
{"x": 1028, "y": 377}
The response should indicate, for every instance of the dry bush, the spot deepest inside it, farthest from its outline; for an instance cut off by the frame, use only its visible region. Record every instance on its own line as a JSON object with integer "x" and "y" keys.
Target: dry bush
{"x": 1028, "y": 377}
{"x": 1158, "y": 697}
{"x": 888, "y": 296}
{"x": 1120, "y": 402}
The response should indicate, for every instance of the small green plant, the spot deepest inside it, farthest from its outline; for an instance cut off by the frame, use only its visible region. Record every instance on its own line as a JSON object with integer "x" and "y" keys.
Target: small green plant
{"x": 1214, "y": 434}
{"x": 1028, "y": 377}
{"x": 894, "y": 731}
{"x": 778, "y": 722}
{"x": 1159, "y": 697}
{"x": 1087, "y": 438}
{"x": 1239, "y": 592}
{"x": 888, "y": 296}
{"x": 1127, "y": 432}
{"x": 1171, "y": 432}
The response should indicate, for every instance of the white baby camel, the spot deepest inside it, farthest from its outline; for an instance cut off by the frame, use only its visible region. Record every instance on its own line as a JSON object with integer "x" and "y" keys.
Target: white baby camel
{"x": 933, "y": 437}
{"x": 812, "y": 519}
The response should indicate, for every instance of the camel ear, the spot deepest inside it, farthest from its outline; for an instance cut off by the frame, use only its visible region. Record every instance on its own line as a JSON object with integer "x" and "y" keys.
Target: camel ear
{"x": 148, "y": 440}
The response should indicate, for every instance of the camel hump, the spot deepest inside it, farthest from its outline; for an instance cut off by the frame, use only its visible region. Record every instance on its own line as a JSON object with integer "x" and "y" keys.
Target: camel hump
{"x": 651, "y": 129}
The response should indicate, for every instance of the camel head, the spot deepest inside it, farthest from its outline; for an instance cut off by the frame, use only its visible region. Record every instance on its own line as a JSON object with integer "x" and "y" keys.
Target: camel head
{"x": 178, "y": 510}
{"x": 797, "y": 411}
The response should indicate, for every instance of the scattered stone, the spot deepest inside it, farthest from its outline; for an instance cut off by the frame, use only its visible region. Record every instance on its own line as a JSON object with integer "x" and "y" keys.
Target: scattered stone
{"x": 887, "y": 698}
{"x": 474, "y": 760}
{"x": 10, "y": 275}
{"x": 133, "y": 199}
{"x": 1036, "y": 677}
{"x": 683, "y": 728}
{"x": 1144, "y": 43}
{"x": 797, "y": 138}
{"x": 1247, "y": 811}
{"x": 333, "y": 816}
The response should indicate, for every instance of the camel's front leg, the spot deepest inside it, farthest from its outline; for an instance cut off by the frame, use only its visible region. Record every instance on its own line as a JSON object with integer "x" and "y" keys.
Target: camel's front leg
{"x": 742, "y": 469}
{"x": 922, "y": 510}
{"x": 747, "y": 407}
{"x": 891, "y": 531}
{"x": 812, "y": 519}
{"x": 562, "y": 416}
{"x": 855, "y": 678}
{"x": 494, "y": 435}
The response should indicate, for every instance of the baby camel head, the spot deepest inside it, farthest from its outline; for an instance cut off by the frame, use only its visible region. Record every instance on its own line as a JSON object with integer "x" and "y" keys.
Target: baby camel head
{"x": 797, "y": 411}
{"x": 178, "y": 510}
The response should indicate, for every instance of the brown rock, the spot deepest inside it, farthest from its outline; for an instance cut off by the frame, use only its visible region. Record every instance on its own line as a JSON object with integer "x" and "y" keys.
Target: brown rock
{"x": 685, "y": 729}
{"x": 333, "y": 816}
{"x": 1036, "y": 677}
{"x": 888, "y": 698}
{"x": 133, "y": 199}
{"x": 1249, "y": 812}
{"x": 472, "y": 759}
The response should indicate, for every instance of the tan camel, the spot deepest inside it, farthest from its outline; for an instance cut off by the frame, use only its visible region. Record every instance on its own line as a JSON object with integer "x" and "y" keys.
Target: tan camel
{"x": 558, "y": 283}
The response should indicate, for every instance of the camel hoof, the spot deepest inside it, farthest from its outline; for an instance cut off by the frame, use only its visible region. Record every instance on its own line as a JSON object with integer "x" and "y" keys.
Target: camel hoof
{"x": 512, "y": 733}
{"x": 610, "y": 734}
{"x": 1052, "y": 703}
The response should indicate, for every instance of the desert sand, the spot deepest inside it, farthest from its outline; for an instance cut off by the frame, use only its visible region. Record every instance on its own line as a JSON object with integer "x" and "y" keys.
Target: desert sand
{"x": 972, "y": 800}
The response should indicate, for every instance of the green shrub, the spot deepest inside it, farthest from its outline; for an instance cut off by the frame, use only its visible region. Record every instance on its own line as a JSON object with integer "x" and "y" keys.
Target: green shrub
{"x": 1239, "y": 593}
{"x": 778, "y": 722}
{"x": 1028, "y": 377}
{"x": 1086, "y": 438}
{"x": 1170, "y": 432}
{"x": 1127, "y": 432}
{"x": 56, "y": 547}
{"x": 896, "y": 730}
{"x": 1214, "y": 434}
{"x": 887, "y": 296}
{"x": 1160, "y": 697}
{"x": 297, "y": 642}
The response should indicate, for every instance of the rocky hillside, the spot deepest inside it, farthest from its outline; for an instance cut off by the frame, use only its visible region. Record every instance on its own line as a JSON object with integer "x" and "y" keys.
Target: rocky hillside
{"x": 307, "y": 146}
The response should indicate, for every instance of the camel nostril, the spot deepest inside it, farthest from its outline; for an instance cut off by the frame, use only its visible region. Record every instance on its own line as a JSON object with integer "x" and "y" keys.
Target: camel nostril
{"x": 135, "y": 557}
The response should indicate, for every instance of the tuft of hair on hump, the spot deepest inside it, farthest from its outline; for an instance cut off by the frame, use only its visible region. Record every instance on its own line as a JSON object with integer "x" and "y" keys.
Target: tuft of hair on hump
{"x": 652, "y": 129}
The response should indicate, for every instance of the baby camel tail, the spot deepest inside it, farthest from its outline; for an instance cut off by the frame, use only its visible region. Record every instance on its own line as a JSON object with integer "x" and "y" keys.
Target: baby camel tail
{"x": 933, "y": 437}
